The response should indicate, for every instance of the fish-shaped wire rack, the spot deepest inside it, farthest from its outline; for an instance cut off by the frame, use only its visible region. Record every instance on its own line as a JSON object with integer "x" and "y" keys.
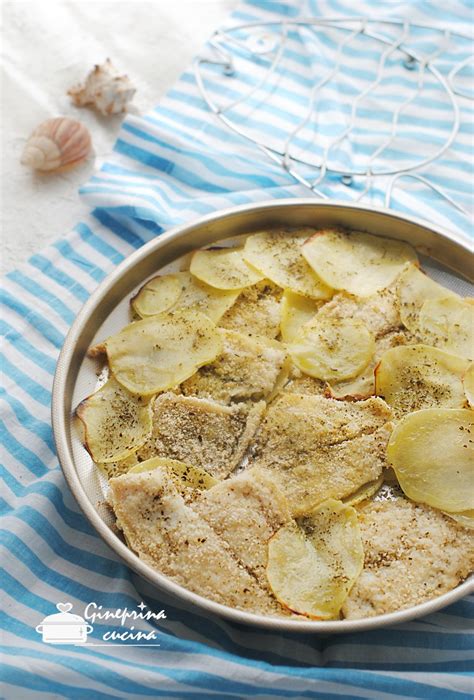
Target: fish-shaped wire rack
{"x": 378, "y": 81}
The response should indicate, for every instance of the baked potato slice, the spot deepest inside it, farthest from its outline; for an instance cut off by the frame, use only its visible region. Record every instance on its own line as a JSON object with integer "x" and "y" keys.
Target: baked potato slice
{"x": 187, "y": 292}
{"x": 465, "y": 518}
{"x": 468, "y": 381}
{"x": 314, "y": 562}
{"x": 412, "y": 377}
{"x": 432, "y": 454}
{"x": 115, "y": 422}
{"x": 358, "y": 263}
{"x": 224, "y": 269}
{"x": 296, "y": 310}
{"x": 331, "y": 349}
{"x": 414, "y": 287}
{"x": 277, "y": 255}
{"x": 157, "y": 295}
{"x": 448, "y": 323}
{"x": 184, "y": 475}
{"x": 159, "y": 352}
{"x": 118, "y": 467}
{"x": 364, "y": 492}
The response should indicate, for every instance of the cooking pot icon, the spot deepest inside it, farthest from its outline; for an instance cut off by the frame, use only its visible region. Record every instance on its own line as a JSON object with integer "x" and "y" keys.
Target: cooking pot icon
{"x": 64, "y": 627}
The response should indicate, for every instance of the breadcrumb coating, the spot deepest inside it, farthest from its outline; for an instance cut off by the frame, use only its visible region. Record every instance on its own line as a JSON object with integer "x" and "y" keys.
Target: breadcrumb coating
{"x": 320, "y": 448}
{"x": 256, "y": 311}
{"x": 246, "y": 511}
{"x": 413, "y": 553}
{"x": 201, "y": 432}
{"x": 248, "y": 369}
{"x": 170, "y": 536}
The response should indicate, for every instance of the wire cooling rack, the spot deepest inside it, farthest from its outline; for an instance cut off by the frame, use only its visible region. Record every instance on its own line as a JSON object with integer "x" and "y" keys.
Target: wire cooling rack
{"x": 397, "y": 77}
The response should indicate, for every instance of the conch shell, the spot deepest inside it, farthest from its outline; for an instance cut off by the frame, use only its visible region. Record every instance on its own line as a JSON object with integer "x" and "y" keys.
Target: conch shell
{"x": 57, "y": 143}
{"x": 105, "y": 89}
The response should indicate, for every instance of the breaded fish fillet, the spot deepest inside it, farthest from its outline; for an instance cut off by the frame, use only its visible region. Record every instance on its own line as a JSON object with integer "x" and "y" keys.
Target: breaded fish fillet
{"x": 379, "y": 311}
{"x": 257, "y": 311}
{"x": 304, "y": 384}
{"x": 245, "y": 511}
{"x": 413, "y": 553}
{"x": 171, "y": 537}
{"x": 249, "y": 368}
{"x": 201, "y": 432}
{"x": 320, "y": 448}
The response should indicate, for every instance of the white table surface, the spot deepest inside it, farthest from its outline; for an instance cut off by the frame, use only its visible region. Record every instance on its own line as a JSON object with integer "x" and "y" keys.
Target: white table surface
{"x": 49, "y": 46}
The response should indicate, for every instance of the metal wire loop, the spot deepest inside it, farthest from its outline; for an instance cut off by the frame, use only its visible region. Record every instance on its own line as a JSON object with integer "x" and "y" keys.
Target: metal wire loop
{"x": 269, "y": 50}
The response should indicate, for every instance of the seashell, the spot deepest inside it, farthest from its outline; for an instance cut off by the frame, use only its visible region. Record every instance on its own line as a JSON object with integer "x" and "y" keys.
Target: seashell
{"x": 57, "y": 143}
{"x": 105, "y": 89}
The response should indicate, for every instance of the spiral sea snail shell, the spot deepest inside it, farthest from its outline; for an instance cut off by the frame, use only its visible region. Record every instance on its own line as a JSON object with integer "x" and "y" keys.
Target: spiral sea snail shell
{"x": 105, "y": 89}
{"x": 57, "y": 143}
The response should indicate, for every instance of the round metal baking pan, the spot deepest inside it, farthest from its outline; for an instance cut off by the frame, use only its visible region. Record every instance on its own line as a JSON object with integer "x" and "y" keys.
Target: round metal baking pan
{"x": 449, "y": 255}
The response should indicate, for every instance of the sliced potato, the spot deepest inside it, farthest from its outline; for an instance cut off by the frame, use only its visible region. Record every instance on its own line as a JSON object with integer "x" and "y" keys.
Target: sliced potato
{"x": 468, "y": 382}
{"x": 296, "y": 310}
{"x": 414, "y": 287}
{"x": 160, "y": 352}
{"x": 121, "y": 466}
{"x": 115, "y": 422}
{"x": 277, "y": 255}
{"x": 313, "y": 565}
{"x": 198, "y": 296}
{"x": 193, "y": 295}
{"x": 448, "y": 323}
{"x": 363, "y": 386}
{"x": 224, "y": 269}
{"x": 357, "y": 262}
{"x": 366, "y": 491}
{"x": 432, "y": 454}
{"x": 333, "y": 350}
{"x": 465, "y": 518}
{"x": 411, "y": 377}
{"x": 184, "y": 475}
{"x": 157, "y": 295}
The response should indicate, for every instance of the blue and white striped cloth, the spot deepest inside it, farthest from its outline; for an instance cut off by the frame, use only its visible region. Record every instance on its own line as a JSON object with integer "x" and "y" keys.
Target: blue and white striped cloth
{"x": 172, "y": 165}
